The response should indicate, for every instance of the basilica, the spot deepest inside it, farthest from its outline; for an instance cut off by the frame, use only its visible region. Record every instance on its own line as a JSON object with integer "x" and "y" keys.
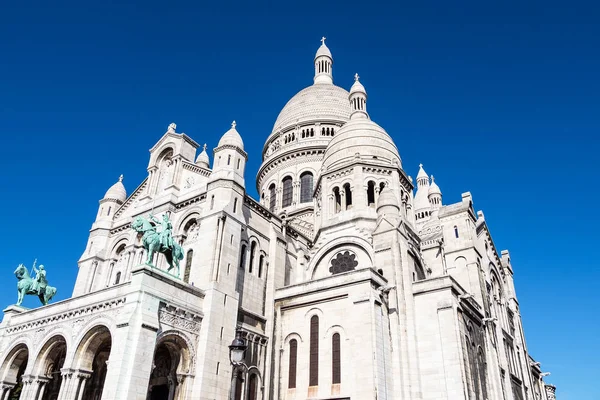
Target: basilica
{"x": 345, "y": 279}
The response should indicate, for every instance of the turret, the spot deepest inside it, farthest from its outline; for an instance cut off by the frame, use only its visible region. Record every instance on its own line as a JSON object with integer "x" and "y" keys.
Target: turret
{"x": 202, "y": 159}
{"x": 113, "y": 199}
{"x": 422, "y": 205}
{"x": 434, "y": 195}
{"x": 323, "y": 64}
{"x": 358, "y": 100}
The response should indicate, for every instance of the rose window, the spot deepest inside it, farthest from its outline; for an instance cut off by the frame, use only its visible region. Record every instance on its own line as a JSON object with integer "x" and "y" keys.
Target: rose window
{"x": 343, "y": 262}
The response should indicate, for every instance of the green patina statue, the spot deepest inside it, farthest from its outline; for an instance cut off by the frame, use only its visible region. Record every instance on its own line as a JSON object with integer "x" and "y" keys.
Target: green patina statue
{"x": 161, "y": 242}
{"x": 37, "y": 286}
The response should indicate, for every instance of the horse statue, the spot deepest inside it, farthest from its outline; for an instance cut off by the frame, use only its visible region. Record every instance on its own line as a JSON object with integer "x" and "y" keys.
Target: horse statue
{"x": 38, "y": 286}
{"x": 161, "y": 242}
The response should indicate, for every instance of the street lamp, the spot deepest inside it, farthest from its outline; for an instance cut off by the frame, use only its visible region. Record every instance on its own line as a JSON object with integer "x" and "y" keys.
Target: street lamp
{"x": 237, "y": 349}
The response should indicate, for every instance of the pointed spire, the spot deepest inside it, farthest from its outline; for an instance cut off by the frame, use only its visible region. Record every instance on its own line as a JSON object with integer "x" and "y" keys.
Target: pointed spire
{"x": 422, "y": 177}
{"x": 358, "y": 100}
{"x": 323, "y": 63}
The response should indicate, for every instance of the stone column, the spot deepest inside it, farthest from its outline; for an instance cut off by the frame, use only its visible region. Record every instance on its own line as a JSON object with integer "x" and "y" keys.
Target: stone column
{"x": 82, "y": 378}
{"x": 39, "y": 386}
{"x": 27, "y": 388}
{"x": 342, "y": 199}
{"x": 5, "y": 388}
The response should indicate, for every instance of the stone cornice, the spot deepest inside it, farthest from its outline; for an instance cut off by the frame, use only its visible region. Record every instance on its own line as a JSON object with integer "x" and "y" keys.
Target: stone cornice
{"x": 196, "y": 168}
{"x": 231, "y": 147}
{"x": 131, "y": 198}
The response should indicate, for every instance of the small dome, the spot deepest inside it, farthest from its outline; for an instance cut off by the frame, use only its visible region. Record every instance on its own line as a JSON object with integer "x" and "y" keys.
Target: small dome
{"x": 422, "y": 174}
{"x": 434, "y": 188}
{"x": 202, "y": 158}
{"x": 357, "y": 87}
{"x": 323, "y": 50}
{"x": 117, "y": 191}
{"x": 232, "y": 138}
{"x": 364, "y": 139}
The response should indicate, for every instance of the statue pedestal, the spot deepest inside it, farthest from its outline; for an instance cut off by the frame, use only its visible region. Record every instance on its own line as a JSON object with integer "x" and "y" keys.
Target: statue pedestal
{"x": 12, "y": 310}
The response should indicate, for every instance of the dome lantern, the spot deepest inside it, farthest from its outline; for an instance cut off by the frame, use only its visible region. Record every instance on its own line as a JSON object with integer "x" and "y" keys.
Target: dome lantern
{"x": 358, "y": 100}
{"x": 323, "y": 64}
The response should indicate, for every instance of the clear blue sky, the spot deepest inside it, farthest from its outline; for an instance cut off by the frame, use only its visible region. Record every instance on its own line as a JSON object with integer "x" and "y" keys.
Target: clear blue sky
{"x": 497, "y": 98}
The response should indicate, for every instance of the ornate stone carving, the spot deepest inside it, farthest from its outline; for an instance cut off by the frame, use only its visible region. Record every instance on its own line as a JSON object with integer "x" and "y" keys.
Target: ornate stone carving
{"x": 179, "y": 318}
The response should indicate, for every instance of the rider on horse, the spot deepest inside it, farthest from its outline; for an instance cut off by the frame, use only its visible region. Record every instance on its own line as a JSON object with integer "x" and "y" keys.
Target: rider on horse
{"x": 39, "y": 282}
{"x": 166, "y": 238}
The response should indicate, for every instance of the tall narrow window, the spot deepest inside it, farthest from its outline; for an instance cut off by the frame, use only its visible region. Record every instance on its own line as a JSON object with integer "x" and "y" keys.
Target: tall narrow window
{"x": 313, "y": 374}
{"x": 336, "y": 366}
{"x": 286, "y": 199}
{"x": 253, "y": 387}
{"x": 243, "y": 256}
{"x": 371, "y": 193}
{"x": 272, "y": 197}
{"x": 292, "y": 364}
{"x": 337, "y": 198}
{"x": 252, "y": 252}
{"x": 109, "y": 208}
{"x": 188, "y": 266}
{"x": 235, "y": 205}
{"x": 118, "y": 278}
{"x": 212, "y": 201}
{"x": 238, "y": 163}
{"x": 261, "y": 260}
{"x": 228, "y": 159}
{"x": 456, "y": 231}
{"x": 306, "y": 187}
{"x": 348, "y": 195}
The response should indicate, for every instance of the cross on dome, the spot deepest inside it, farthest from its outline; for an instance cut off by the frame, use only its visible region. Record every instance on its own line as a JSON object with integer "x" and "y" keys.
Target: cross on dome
{"x": 121, "y": 178}
{"x": 356, "y": 77}
{"x": 420, "y": 165}
{"x": 233, "y": 124}
{"x": 323, "y": 40}
{"x": 204, "y": 147}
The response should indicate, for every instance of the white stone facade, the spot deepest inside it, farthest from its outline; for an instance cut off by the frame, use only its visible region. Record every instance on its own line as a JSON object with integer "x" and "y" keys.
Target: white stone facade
{"x": 344, "y": 282}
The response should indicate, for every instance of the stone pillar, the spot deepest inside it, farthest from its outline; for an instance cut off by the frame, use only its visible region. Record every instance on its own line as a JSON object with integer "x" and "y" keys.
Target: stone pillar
{"x": 5, "y": 388}
{"x": 39, "y": 387}
{"x": 27, "y": 388}
{"x": 73, "y": 383}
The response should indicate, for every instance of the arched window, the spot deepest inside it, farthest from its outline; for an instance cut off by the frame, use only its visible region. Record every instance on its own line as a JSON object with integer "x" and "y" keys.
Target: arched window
{"x": 272, "y": 197}
{"x": 381, "y": 187}
{"x": 456, "y": 231}
{"x": 261, "y": 260}
{"x": 118, "y": 278}
{"x": 212, "y": 201}
{"x": 229, "y": 159}
{"x": 109, "y": 208}
{"x": 348, "y": 195}
{"x": 306, "y": 187}
{"x": 337, "y": 198}
{"x": 253, "y": 387}
{"x": 371, "y": 194}
{"x": 238, "y": 163}
{"x": 292, "y": 364}
{"x": 286, "y": 199}
{"x": 235, "y": 205}
{"x": 252, "y": 252}
{"x": 336, "y": 365}
{"x": 243, "y": 256}
{"x": 188, "y": 266}
{"x": 313, "y": 374}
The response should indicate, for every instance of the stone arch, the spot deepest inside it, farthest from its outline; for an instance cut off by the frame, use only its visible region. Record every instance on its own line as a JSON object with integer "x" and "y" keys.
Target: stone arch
{"x": 174, "y": 364}
{"x": 188, "y": 217}
{"x": 14, "y": 364}
{"x": 90, "y": 356}
{"x": 322, "y": 258}
{"x": 48, "y": 363}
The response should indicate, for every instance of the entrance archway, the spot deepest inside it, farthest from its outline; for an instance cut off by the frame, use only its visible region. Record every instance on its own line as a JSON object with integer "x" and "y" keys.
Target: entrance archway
{"x": 12, "y": 371}
{"x": 170, "y": 367}
{"x": 92, "y": 355}
{"x": 49, "y": 362}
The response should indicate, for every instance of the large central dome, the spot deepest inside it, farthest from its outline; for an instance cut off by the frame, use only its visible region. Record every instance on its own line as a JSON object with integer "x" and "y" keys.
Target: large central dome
{"x": 316, "y": 102}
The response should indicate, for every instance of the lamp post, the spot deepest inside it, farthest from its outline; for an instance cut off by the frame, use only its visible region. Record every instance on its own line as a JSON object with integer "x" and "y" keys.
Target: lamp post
{"x": 237, "y": 350}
